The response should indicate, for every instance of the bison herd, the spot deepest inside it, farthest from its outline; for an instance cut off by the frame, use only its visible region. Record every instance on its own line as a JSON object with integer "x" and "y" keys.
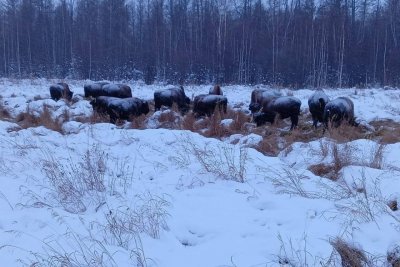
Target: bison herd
{"x": 116, "y": 101}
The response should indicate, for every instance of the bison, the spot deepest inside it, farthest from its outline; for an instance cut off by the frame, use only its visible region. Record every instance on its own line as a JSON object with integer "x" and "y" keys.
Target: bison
{"x": 284, "y": 106}
{"x": 167, "y": 97}
{"x": 206, "y": 104}
{"x": 341, "y": 108}
{"x": 107, "y": 89}
{"x": 316, "y": 104}
{"x": 260, "y": 96}
{"x": 60, "y": 90}
{"x": 120, "y": 108}
{"x": 216, "y": 90}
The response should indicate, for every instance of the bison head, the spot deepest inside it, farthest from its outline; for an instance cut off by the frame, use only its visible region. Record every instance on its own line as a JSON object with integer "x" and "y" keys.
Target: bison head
{"x": 187, "y": 100}
{"x": 322, "y": 103}
{"x": 144, "y": 108}
{"x": 254, "y": 107}
{"x": 261, "y": 118}
{"x": 93, "y": 102}
{"x": 69, "y": 95}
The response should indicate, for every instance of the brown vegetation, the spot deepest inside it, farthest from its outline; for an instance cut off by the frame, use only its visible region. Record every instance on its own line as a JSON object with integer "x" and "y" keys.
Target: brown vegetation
{"x": 170, "y": 119}
{"x": 138, "y": 122}
{"x": 323, "y": 170}
{"x": 95, "y": 117}
{"x": 386, "y": 131}
{"x": 350, "y": 255}
{"x": 269, "y": 146}
{"x": 4, "y": 113}
{"x": 345, "y": 133}
{"x": 29, "y": 119}
{"x": 340, "y": 158}
{"x": 188, "y": 122}
{"x": 393, "y": 205}
{"x": 239, "y": 121}
{"x": 393, "y": 257}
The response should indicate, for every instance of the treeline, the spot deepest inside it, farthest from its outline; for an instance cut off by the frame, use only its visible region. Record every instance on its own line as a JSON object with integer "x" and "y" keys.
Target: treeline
{"x": 284, "y": 42}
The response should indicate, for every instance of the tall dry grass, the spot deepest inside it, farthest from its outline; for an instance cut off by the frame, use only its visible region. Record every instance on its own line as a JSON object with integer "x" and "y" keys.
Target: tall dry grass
{"x": 44, "y": 118}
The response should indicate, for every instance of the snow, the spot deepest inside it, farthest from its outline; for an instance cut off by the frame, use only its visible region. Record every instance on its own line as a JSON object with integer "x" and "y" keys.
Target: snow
{"x": 177, "y": 195}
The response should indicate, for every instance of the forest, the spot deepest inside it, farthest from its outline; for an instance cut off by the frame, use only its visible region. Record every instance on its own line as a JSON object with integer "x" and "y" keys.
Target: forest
{"x": 291, "y": 43}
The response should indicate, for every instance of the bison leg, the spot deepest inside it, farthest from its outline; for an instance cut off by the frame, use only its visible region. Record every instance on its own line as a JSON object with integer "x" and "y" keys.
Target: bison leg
{"x": 315, "y": 121}
{"x": 113, "y": 115}
{"x": 295, "y": 120}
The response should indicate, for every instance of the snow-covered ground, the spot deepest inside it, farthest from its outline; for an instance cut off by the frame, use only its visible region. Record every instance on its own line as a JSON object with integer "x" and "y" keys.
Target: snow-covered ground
{"x": 102, "y": 195}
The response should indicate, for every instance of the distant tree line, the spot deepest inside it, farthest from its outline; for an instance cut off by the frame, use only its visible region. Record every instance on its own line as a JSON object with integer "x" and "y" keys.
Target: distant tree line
{"x": 284, "y": 42}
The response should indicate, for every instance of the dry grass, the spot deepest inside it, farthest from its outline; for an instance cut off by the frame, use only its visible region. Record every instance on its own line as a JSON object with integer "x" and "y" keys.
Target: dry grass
{"x": 350, "y": 255}
{"x": 170, "y": 119}
{"x": 226, "y": 162}
{"x": 206, "y": 126}
{"x": 270, "y": 145}
{"x": 323, "y": 170}
{"x": 393, "y": 257}
{"x": 340, "y": 159}
{"x": 4, "y": 113}
{"x": 28, "y": 119}
{"x": 393, "y": 205}
{"x": 188, "y": 122}
{"x": 387, "y": 131}
{"x": 240, "y": 119}
{"x": 95, "y": 117}
{"x": 138, "y": 122}
{"x": 346, "y": 133}
{"x": 377, "y": 157}
{"x": 214, "y": 126}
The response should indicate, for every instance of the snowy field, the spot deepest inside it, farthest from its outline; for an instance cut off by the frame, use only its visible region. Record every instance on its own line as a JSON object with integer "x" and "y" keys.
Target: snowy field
{"x": 106, "y": 195}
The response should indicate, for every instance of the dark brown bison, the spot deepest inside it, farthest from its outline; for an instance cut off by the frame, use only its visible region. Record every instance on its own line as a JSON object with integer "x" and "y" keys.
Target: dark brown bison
{"x": 260, "y": 96}
{"x": 167, "y": 97}
{"x": 337, "y": 110}
{"x": 60, "y": 90}
{"x": 107, "y": 89}
{"x": 206, "y": 104}
{"x": 216, "y": 90}
{"x": 120, "y": 108}
{"x": 284, "y": 106}
{"x": 316, "y": 105}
